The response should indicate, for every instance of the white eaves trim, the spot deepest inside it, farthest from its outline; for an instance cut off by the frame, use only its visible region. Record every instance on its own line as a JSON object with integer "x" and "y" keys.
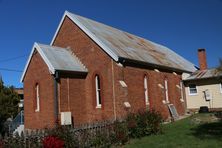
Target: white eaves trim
{"x": 36, "y": 47}
{"x": 89, "y": 33}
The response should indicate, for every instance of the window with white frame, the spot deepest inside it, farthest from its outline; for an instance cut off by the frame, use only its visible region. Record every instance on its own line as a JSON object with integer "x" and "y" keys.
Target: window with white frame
{"x": 166, "y": 90}
{"x": 181, "y": 90}
{"x": 37, "y": 109}
{"x": 192, "y": 89}
{"x": 98, "y": 92}
{"x": 146, "y": 90}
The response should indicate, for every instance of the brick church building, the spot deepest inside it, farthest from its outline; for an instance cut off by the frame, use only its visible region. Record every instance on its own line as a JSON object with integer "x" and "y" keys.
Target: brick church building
{"x": 92, "y": 72}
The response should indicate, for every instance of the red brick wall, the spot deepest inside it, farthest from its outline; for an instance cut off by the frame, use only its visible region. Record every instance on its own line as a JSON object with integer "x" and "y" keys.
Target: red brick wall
{"x": 97, "y": 61}
{"x": 77, "y": 94}
{"x": 38, "y": 73}
{"x": 202, "y": 58}
{"x": 134, "y": 78}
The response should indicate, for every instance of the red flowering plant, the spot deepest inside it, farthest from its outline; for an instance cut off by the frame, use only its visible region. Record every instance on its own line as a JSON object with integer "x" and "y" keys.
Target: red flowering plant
{"x": 53, "y": 142}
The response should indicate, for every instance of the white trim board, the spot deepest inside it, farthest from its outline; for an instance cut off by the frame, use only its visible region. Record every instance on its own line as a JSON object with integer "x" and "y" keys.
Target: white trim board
{"x": 89, "y": 33}
{"x": 36, "y": 47}
{"x": 220, "y": 87}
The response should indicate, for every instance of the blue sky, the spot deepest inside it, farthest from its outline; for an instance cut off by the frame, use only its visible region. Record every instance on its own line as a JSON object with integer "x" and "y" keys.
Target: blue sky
{"x": 182, "y": 25}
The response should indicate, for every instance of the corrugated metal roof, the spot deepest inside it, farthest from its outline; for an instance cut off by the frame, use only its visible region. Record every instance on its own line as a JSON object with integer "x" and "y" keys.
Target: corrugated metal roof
{"x": 205, "y": 74}
{"x": 62, "y": 59}
{"x": 129, "y": 46}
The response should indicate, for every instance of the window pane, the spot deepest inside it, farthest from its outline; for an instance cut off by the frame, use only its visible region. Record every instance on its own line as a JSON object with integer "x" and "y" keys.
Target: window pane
{"x": 146, "y": 90}
{"x": 192, "y": 89}
{"x": 166, "y": 90}
{"x": 98, "y": 93}
{"x": 98, "y": 82}
{"x": 37, "y": 98}
{"x": 99, "y": 98}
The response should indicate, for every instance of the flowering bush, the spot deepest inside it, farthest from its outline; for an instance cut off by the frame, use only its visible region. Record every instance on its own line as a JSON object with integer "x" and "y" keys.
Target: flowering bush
{"x": 52, "y": 142}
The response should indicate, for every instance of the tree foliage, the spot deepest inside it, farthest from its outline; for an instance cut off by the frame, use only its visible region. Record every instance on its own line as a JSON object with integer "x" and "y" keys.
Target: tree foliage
{"x": 219, "y": 68}
{"x": 9, "y": 100}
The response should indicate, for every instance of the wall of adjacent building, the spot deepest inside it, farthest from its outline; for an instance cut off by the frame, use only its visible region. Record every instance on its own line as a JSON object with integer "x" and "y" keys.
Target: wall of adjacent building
{"x": 195, "y": 101}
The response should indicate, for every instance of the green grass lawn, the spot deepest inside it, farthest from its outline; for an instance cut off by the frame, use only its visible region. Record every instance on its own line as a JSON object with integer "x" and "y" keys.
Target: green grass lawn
{"x": 200, "y": 130}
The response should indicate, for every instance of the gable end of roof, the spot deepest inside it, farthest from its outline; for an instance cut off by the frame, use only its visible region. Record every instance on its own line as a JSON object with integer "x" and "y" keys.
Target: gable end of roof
{"x": 56, "y": 59}
{"x": 82, "y": 27}
{"x": 36, "y": 47}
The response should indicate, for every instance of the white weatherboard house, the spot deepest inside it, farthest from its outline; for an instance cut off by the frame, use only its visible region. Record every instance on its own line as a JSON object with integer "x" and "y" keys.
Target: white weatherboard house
{"x": 204, "y": 86}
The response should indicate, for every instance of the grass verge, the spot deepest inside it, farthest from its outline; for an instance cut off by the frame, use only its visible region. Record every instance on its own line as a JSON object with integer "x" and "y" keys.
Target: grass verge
{"x": 197, "y": 131}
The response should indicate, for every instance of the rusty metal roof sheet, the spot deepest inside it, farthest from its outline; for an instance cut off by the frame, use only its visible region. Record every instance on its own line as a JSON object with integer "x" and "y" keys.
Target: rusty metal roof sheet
{"x": 205, "y": 74}
{"x": 125, "y": 45}
{"x": 56, "y": 58}
{"x": 62, "y": 59}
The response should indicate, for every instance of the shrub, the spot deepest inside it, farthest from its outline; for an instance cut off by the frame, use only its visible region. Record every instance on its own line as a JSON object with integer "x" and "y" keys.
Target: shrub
{"x": 52, "y": 142}
{"x": 120, "y": 135}
{"x": 144, "y": 123}
{"x": 101, "y": 139}
{"x": 154, "y": 120}
{"x": 64, "y": 133}
{"x": 132, "y": 125}
{"x": 135, "y": 125}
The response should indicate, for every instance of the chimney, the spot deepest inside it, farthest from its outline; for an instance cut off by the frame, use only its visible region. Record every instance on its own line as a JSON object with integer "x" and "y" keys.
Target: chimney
{"x": 202, "y": 59}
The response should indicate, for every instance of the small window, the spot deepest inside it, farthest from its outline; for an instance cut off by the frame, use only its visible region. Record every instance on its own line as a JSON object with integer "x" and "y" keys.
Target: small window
{"x": 37, "y": 109}
{"x": 192, "y": 89}
{"x": 146, "y": 91}
{"x": 221, "y": 87}
{"x": 98, "y": 92}
{"x": 166, "y": 90}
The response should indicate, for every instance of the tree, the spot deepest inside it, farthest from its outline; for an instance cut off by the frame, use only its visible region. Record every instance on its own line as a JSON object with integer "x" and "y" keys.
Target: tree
{"x": 9, "y": 100}
{"x": 219, "y": 68}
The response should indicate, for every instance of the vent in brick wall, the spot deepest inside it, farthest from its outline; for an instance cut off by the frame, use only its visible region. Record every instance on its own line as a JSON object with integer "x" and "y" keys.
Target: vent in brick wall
{"x": 122, "y": 83}
{"x": 127, "y": 104}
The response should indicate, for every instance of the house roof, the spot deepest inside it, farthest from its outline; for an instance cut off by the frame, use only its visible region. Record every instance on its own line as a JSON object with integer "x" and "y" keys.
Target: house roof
{"x": 57, "y": 59}
{"x": 204, "y": 74}
{"x": 119, "y": 44}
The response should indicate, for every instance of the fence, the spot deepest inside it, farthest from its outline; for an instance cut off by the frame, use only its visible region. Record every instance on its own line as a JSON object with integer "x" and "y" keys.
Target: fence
{"x": 87, "y": 135}
{"x": 18, "y": 120}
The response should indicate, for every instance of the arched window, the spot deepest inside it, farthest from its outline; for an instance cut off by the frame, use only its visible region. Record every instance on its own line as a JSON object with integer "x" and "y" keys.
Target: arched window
{"x": 98, "y": 92}
{"x": 37, "y": 98}
{"x": 146, "y": 90}
{"x": 166, "y": 90}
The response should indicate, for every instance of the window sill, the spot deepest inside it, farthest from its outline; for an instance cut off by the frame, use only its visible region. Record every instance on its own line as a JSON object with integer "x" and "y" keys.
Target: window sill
{"x": 193, "y": 94}
{"x": 181, "y": 100}
{"x": 165, "y": 102}
{"x": 98, "y": 107}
